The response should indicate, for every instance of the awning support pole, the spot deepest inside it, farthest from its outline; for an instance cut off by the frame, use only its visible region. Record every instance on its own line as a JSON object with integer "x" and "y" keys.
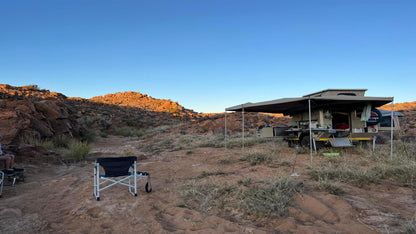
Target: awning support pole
{"x": 310, "y": 130}
{"x": 225, "y": 130}
{"x": 391, "y": 129}
{"x": 242, "y": 108}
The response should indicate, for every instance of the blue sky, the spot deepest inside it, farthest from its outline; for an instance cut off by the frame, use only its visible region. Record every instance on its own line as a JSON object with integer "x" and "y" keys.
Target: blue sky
{"x": 209, "y": 55}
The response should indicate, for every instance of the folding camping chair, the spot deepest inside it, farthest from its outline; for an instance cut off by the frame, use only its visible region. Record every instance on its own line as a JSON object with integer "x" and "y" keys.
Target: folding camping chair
{"x": 118, "y": 167}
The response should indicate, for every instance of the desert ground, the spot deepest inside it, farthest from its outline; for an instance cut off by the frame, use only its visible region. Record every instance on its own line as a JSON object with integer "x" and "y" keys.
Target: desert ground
{"x": 200, "y": 188}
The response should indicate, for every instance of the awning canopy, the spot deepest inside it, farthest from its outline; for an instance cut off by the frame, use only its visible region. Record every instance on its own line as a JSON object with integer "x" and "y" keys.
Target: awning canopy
{"x": 288, "y": 106}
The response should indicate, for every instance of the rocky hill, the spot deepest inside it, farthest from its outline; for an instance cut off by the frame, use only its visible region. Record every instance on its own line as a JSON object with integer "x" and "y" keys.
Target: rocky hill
{"x": 408, "y": 122}
{"x": 28, "y": 111}
{"x": 145, "y": 102}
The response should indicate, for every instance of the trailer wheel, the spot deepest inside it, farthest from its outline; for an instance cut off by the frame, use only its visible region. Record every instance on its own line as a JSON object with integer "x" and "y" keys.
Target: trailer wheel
{"x": 319, "y": 145}
{"x": 305, "y": 141}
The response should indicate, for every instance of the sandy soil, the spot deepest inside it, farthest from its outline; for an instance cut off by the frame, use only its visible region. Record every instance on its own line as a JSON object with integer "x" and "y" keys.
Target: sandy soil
{"x": 59, "y": 198}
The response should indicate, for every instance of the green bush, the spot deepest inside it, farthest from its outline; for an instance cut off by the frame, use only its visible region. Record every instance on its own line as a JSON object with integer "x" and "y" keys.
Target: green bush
{"x": 61, "y": 141}
{"x": 47, "y": 144}
{"x": 78, "y": 151}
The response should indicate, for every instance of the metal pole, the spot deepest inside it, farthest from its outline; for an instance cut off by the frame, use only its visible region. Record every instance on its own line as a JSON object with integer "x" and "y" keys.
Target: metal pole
{"x": 310, "y": 130}
{"x": 225, "y": 131}
{"x": 242, "y": 106}
{"x": 391, "y": 129}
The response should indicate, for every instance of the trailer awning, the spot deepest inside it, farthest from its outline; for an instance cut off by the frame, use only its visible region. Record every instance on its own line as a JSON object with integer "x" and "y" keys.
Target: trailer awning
{"x": 289, "y": 106}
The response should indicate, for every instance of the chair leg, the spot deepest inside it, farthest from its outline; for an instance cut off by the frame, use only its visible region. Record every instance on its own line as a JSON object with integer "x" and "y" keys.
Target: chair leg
{"x": 135, "y": 179}
{"x": 96, "y": 183}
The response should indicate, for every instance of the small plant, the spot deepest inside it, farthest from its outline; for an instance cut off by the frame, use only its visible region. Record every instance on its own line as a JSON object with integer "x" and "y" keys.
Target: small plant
{"x": 255, "y": 158}
{"x": 213, "y": 141}
{"x": 209, "y": 198}
{"x": 78, "y": 151}
{"x": 213, "y": 173}
{"x": 61, "y": 141}
{"x": 47, "y": 144}
{"x": 329, "y": 186}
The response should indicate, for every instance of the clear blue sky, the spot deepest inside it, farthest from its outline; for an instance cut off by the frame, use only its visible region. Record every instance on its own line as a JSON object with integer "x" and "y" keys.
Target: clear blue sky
{"x": 209, "y": 55}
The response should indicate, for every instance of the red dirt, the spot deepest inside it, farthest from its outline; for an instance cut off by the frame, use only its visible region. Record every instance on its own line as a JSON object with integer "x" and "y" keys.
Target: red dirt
{"x": 58, "y": 198}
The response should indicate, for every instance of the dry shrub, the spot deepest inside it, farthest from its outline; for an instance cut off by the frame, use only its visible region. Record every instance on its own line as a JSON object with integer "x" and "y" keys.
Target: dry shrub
{"x": 213, "y": 173}
{"x": 269, "y": 200}
{"x": 256, "y": 157}
{"x": 209, "y": 198}
{"x": 329, "y": 186}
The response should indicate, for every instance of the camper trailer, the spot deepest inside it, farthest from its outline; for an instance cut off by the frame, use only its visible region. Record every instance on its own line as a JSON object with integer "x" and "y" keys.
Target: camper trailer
{"x": 334, "y": 117}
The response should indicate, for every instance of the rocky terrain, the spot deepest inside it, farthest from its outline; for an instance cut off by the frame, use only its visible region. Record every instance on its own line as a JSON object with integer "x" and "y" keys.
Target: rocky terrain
{"x": 32, "y": 112}
{"x": 408, "y": 122}
{"x": 199, "y": 186}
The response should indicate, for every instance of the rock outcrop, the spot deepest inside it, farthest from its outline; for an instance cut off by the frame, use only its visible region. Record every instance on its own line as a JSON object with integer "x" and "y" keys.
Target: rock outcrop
{"x": 28, "y": 111}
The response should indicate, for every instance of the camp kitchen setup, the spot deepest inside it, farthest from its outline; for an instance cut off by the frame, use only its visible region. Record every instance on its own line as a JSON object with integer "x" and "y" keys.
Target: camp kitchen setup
{"x": 332, "y": 117}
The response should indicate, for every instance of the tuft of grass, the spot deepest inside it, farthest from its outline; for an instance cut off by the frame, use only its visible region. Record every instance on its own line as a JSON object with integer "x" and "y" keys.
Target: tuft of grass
{"x": 271, "y": 201}
{"x": 342, "y": 174}
{"x": 78, "y": 151}
{"x": 209, "y": 198}
{"x": 405, "y": 174}
{"x": 254, "y": 202}
{"x": 47, "y": 144}
{"x": 61, "y": 141}
{"x": 213, "y": 141}
{"x": 256, "y": 157}
{"x": 213, "y": 173}
{"x": 329, "y": 186}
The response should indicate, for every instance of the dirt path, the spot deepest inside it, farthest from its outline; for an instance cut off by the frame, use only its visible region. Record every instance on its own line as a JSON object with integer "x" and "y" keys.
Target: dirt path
{"x": 58, "y": 199}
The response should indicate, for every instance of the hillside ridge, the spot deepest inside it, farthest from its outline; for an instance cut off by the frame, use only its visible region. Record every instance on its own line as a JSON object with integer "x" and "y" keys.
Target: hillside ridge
{"x": 142, "y": 101}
